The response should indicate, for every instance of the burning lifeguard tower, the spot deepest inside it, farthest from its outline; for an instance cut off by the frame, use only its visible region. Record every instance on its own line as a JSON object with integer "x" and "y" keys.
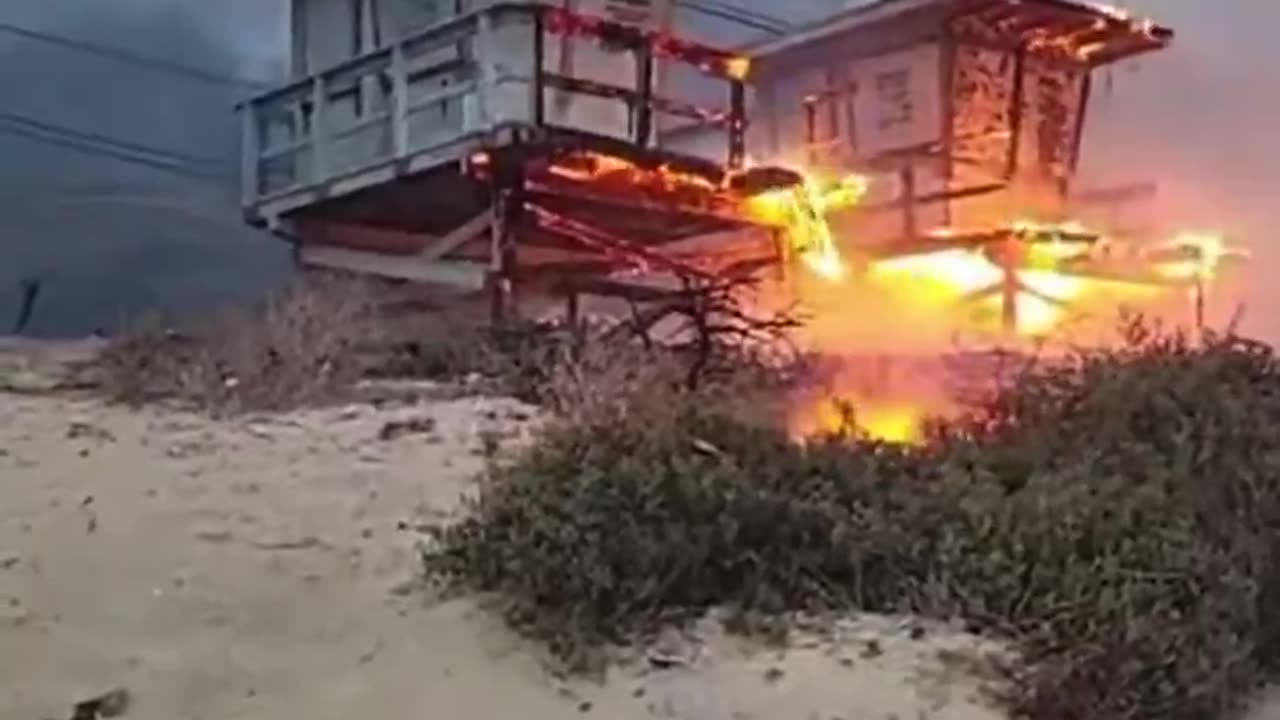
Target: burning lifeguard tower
{"x": 967, "y": 119}
{"x": 526, "y": 150}
{"x": 511, "y": 148}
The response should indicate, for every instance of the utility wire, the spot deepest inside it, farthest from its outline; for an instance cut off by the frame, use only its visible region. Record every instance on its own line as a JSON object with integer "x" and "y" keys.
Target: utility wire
{"x": 737, "y": 15}
{"x": 132, "y": 58}
{"x": 71, "y": 142}
{"x": 123, "y": 145}
{"x": 738, "y": 10}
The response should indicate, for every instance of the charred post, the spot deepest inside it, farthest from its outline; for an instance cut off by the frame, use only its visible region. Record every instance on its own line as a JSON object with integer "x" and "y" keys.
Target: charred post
{"x": 910, "y": 227}
{"x": 737, "y": 124}
{"x": 644, "y": 100}
{"x": 1016, "y": 111}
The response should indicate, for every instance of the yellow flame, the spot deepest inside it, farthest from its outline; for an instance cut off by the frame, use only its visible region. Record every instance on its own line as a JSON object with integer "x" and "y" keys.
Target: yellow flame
{"x": 738, "y": 67}
{"x": 802, "y": 213}
{"x": 940, "y": 279}
{"x": 1208, "y": 250}
{"x": 895, "y": 422}
{"x": 943, "y": 277}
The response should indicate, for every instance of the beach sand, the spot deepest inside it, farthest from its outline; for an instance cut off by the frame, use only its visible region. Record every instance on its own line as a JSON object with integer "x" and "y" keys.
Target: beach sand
{"x": 264, "y": 568}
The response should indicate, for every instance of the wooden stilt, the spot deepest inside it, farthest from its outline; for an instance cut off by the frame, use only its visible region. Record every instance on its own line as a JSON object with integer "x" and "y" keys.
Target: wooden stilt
{"x": 1009, "y": 287}
{"x": 508, "y": 219}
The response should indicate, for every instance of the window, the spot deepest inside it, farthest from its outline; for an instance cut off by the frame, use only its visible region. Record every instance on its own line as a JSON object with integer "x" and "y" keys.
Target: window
{"x": 822, "y": 117}
{"x": 893, "y": 95}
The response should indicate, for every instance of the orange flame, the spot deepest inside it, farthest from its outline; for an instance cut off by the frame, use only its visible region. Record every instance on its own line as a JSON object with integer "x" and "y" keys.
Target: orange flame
{"x": 935, "y": 283}
{"x": 896, "y": 422}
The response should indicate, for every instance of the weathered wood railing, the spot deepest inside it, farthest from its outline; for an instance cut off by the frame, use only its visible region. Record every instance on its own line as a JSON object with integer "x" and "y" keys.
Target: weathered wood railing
{"x": 433, "y": 94}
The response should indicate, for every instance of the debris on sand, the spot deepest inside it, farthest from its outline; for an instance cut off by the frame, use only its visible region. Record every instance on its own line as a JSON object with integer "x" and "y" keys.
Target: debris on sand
{"x": 112, "y": 704}
{"x": 396, "y": 429}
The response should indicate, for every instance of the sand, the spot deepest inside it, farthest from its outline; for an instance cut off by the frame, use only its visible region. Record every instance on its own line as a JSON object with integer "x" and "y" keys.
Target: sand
{"x": 263, "y": 568}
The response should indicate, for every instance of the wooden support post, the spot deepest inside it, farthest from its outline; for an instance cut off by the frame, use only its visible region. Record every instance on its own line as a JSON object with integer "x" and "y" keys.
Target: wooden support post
{"x": 736, "y": 124}
{"x": 1009, "y": 286}
{"x": 910, "y": 228}
{"x": 811, "y": 129}
{"x": 1199, "y": 301}
{"x": 644, "y": 104}
{"x": 508, "y": 218}
{"x": 1016, "y": 109}
{"x": 947, "y": 81}
{"x": 1077, "y": 141}
{"x": 572, "y": 311}
{"x": 577, "y": 328}
{"x": 782, "y": 248}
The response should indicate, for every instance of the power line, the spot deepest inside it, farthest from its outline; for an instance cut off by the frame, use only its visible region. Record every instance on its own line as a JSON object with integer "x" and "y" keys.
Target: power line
{"x": 123, "y": 145}
{"x": 737, "y": 15}
{"x": 741, "y": 11}
{"x": 132, "y": 58}
{"x": 70, "y": 142}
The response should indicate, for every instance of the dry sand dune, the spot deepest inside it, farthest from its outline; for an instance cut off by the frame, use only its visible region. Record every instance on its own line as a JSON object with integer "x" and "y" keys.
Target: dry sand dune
{"x": 263, "y": 568}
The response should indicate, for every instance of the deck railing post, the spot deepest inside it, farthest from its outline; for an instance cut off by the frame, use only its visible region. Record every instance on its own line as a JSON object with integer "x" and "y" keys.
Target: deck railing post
{"x": 539, "y": 62}
{"x": 250, "y": 183}
{"x": 319, "y": 131}
{"x": 399, "y": 102}
{"x": 483, "y": 50}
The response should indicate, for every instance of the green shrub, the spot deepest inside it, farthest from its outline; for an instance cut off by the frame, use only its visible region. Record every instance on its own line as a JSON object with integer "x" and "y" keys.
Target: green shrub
{"x": 1113, "y": 514}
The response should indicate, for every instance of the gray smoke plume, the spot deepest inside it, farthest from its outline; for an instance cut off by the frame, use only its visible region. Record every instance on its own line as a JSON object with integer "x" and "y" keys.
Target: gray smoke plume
{"x": 100, "y": 238}
{"x": 1200, "y": 120}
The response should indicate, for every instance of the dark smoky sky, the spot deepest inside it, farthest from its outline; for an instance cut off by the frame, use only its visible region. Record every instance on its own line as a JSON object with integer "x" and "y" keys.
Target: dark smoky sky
{"x": 109, "y": 239}
{"x": 1201, "y": 119}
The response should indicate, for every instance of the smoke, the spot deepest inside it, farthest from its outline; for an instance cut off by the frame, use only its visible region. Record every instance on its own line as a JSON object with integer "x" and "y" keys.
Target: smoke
{"x": 107, "y": 239}
{"x": 1199, "y": 120}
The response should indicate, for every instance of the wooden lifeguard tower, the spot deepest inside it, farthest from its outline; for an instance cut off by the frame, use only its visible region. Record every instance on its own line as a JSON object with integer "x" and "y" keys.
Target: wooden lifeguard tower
{"x": 503, "y": 148}
{"x": 531, "y": 152}
{"x": 968, "y": 117}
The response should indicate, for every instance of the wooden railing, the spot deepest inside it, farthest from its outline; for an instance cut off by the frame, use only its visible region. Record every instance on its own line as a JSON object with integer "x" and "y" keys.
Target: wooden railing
{"x": 376, "y": 107}
{"x": 459, "y": 78}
